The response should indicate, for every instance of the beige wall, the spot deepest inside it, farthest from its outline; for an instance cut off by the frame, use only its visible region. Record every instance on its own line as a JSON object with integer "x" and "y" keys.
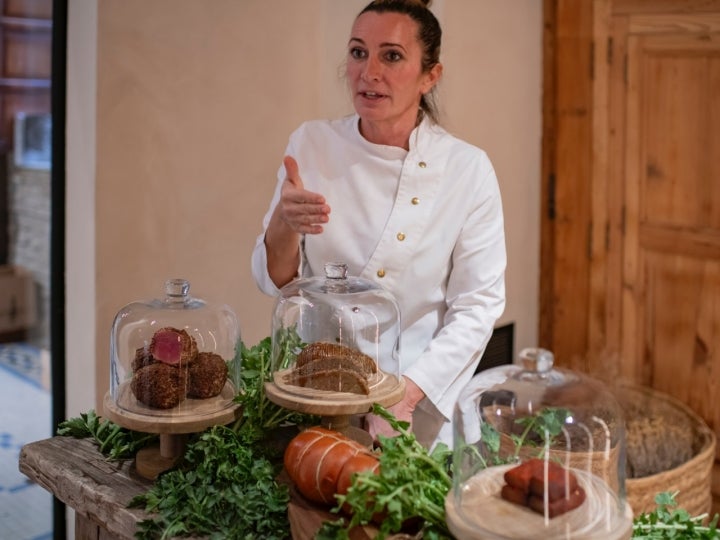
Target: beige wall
{"x": 195, "y": 100}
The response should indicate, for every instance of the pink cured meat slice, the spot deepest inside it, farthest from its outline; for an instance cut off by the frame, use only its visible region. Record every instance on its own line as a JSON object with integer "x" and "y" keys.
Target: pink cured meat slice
{"x": 170, "y": 346}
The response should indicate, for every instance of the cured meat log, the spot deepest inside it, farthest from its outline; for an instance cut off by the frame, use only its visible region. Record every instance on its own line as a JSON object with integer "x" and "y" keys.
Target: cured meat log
{"x": 321, "y": 463}
{"x": 558, "y": 506}
{"x": 536, "y": 481}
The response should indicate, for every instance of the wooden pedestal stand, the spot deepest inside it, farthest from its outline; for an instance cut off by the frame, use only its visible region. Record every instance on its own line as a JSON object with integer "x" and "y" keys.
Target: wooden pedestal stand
{"x": 485, "y": 515}
{"x": 336, "y": 408}
{"x": 197, "y": 415}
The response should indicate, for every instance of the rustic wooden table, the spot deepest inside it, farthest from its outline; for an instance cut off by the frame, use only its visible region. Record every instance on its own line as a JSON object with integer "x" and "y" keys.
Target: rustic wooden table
{"x": 81, "y": 477}
{"x": 99, "y": 491}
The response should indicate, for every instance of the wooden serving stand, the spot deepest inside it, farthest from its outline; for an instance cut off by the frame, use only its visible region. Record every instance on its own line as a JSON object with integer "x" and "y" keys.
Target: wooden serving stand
{"x": 485, "y": 515}
{"x": 336, "y": 408}
{"x": 191, "y": 416}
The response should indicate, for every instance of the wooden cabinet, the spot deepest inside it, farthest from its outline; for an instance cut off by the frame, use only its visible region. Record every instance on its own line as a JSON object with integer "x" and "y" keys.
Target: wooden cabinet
{"x": 631, "y": 225}
{"x": 25, "y": 68}
{"x": 25, "y": 73}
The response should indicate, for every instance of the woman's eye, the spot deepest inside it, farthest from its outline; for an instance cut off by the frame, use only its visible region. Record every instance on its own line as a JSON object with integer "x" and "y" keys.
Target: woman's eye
{"x": 393, "y": 56}
{"x": 356, "y": 52}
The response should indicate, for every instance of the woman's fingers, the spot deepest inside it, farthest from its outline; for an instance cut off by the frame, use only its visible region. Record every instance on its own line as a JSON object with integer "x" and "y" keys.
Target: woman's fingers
{"x": 292, "y": 172}
{"x": 303, "y": 210}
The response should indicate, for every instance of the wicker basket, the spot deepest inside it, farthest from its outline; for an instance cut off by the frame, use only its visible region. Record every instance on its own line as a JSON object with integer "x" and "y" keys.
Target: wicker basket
{"x": 691, "y": 479}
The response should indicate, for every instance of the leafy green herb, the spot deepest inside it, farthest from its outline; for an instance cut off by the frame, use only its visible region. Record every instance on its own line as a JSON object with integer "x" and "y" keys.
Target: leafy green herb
{"x": 289, "y": 344}
{"x": 539, "y": 429}
{"x": 225, "y": 486}
{"x": 545, "y": 425}
{"x": 669, "y": 522}
{"x": 222, "y": 490}
{"x": 113, "y": 440}
{"x": 411, "y": 486}
{"x": 259, "y": 414}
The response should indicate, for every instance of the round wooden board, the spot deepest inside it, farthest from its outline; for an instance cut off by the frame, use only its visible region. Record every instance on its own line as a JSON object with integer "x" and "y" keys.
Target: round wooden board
{"x": 306, "y": 518}
{"x": 490, "y": 517}
{"x": 388, "y": 391}
{"x": 193, "y": 416}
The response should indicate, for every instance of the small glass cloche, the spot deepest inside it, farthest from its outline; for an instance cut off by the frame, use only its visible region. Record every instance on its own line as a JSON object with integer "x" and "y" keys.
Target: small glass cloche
{"x": 175, "y": 356}
{"x": 539, "y": 452}
{"x": 336, "y": 337}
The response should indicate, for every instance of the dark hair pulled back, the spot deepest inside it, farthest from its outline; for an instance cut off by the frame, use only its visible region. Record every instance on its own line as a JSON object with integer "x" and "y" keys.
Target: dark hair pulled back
{"x": 429, "y": 35}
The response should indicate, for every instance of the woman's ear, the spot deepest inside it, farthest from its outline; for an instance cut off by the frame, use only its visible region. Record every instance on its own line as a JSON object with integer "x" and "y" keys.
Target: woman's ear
{"x": 432, "y": 77}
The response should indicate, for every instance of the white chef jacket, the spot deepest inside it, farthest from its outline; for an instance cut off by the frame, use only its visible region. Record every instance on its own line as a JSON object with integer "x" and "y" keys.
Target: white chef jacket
{"x": 425, "y": 224}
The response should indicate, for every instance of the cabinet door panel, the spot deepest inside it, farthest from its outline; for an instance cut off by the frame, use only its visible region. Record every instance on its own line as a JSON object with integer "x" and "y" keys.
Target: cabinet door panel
{"x": 672, "y": 216}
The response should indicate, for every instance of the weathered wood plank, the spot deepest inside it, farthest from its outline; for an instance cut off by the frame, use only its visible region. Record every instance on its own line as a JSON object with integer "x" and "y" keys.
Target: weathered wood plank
{"x": 82, "y": 478}
{"x": 87, "y": 529}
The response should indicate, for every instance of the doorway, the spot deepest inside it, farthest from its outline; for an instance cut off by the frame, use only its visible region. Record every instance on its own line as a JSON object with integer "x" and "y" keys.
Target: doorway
{"x": 32, "y": 103}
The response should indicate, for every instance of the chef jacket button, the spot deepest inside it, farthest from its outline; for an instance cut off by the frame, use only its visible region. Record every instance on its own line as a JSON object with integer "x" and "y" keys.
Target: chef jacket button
{"x": 381, "y": 273}
{"x": 415, "y": 200}
{"x": 422, "y": 164}
{"x": 401, "y": 236}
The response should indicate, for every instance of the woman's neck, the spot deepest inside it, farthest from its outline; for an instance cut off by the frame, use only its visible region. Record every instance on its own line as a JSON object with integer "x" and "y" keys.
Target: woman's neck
{"x": 389, "y": 133}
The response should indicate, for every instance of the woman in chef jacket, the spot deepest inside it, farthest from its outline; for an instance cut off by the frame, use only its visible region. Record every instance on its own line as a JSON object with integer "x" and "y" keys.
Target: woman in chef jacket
{"x": 402, "y": 202}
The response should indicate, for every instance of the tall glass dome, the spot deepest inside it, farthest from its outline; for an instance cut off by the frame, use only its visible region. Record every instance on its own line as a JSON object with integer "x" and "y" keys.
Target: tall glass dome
{"x": 173, "y": 356}
{"x": 539, "y": 452}
{"x": 335, "y": 339}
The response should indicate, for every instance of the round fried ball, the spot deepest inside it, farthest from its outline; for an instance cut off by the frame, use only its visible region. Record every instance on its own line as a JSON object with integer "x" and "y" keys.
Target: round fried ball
{"x": 159, "y": 385}
{"x": 142, "y": 358}
{"x": 206, "y": 376}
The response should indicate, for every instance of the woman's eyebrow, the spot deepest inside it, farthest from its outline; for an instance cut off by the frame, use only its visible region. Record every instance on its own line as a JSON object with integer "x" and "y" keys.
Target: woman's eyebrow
{"x": 382, "y": 45}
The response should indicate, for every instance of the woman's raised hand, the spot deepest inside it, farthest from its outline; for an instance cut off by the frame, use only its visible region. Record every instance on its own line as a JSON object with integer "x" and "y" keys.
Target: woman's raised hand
{"x": 302, "y": 210}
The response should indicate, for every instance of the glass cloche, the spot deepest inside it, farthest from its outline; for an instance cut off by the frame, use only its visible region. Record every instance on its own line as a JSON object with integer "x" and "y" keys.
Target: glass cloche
{"x": 539, "y": 452}
{"x": 174, "y": 357}
{"x": 335, "y": 338}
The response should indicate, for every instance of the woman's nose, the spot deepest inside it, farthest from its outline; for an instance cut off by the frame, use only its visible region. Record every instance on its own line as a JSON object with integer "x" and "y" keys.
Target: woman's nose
{"x": 371, "y": 71}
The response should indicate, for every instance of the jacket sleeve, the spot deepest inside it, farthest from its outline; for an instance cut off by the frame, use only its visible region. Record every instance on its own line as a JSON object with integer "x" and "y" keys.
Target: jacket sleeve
{"x": 259, "y": 254}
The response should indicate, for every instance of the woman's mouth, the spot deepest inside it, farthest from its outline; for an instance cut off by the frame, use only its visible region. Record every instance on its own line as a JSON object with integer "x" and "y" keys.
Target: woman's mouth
{"x": 372, "y": 95}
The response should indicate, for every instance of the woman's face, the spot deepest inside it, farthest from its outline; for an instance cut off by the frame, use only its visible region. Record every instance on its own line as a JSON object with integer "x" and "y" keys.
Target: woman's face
{"x": 384, "y": 68}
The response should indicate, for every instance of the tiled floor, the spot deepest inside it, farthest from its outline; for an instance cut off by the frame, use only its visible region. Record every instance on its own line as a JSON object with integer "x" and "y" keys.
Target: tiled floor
{"x": 25, "y": 508}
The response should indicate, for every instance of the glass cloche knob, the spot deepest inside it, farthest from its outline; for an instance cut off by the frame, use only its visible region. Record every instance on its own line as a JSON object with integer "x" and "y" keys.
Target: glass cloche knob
{"x": 537, "y": 360}
{"x": 336, "y": 270}
{"x": 177, "y": 289}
